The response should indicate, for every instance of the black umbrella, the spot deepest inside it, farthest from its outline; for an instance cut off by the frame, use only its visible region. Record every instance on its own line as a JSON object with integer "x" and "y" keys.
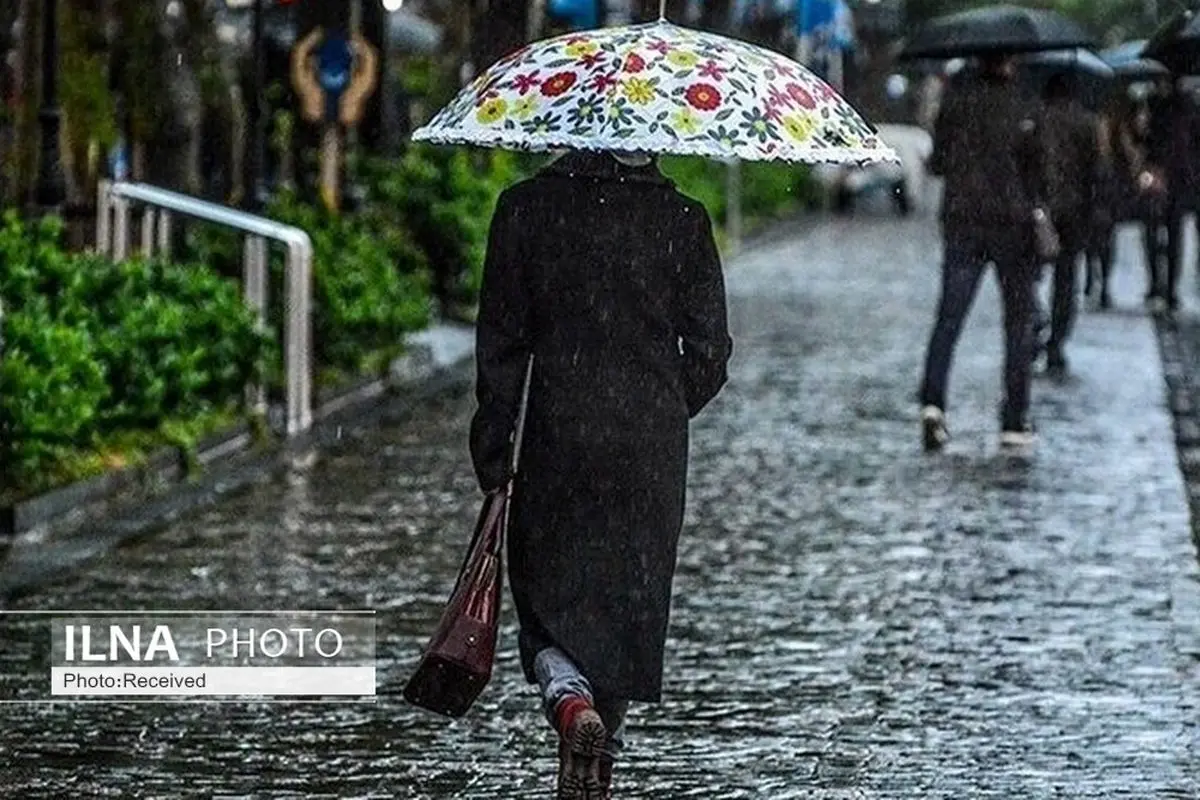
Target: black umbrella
{"x": 1177, "y": 44}
{"x": 1090, "y": 77}
{"x": 995, "y": 29}
{"x": 1142, "y": 69}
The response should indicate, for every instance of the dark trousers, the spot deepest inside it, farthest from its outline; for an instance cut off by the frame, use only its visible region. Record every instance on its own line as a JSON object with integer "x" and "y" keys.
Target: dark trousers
{"x": 1100, "y": 258}
{"x": 1155, "y": 221}
{"x": 967, "y": 255}
{"x": 1073, "y": 234}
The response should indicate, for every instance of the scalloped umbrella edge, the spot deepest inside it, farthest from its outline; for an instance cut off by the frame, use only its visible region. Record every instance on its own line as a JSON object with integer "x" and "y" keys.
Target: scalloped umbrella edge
{"x": 452, "y": 125}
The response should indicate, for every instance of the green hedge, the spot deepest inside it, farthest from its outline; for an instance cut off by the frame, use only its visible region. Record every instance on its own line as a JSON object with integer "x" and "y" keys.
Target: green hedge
{"x": 93, "y": 349}
{"x": 373, "y": 266}
{"x": 101, "y": 357}
{"x": 769, "y": 190}
{"x": 445, "y": 198}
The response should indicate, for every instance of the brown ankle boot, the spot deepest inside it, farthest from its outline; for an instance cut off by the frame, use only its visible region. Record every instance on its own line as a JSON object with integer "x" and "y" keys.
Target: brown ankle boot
{"x": 581, "y": 742}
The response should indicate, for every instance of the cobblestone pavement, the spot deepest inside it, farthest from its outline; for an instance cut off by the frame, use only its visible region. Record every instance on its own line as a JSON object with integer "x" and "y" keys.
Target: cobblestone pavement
{"x": 853, "y": 618}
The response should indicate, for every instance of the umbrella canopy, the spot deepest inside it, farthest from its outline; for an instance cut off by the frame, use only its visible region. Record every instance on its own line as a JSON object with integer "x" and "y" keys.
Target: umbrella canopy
{"x": 1091, "y": 76}
{"x": 995, "y": 29}
{"x": 1142, "y": 69}
{"x": 657, "y": 88}
{"x": 1177, "y": 44}
{"x": 1129, "y": 64}
{"x": 1124, "y": 53}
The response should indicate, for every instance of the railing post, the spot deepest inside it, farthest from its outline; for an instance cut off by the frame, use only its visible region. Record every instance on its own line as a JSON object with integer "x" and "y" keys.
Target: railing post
{"x": 148, "y": 217}
{"x": 298, "y": 290}
{"x": 164, "y": 233}
{"x": 254, "y": 276}
{"x": 733, "y": 205}
{"x": 113, "y": 236}
{"x": 104, "y": 212}
{"x": 120, "y": 250}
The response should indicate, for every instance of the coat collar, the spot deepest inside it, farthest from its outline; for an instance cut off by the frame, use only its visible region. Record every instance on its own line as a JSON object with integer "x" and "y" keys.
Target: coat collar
{"x": 601, "y": 166}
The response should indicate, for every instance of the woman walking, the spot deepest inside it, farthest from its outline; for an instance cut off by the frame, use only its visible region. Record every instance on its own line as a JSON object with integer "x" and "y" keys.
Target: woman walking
{"x": 1147, "y": 193}
{"x": 610, "y": 279}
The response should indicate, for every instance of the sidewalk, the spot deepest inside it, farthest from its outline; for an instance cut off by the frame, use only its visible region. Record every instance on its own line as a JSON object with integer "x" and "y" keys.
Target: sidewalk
{"x": 853, "y": 618}
{"x": 973, "y": 626}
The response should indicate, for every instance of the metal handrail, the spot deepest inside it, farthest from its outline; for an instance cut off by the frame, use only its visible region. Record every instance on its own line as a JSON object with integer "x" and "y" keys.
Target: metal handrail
{"x": 112, "y": 239}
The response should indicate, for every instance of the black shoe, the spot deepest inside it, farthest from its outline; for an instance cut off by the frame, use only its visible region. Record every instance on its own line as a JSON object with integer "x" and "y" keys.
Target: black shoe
{"x": 934, "y": 434}
{"x": 1105, "y": 300}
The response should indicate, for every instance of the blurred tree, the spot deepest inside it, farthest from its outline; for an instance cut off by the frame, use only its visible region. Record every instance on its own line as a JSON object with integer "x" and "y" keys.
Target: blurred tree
{"x": 89, "y": 114}
{"x": 19, "y": 162}
{"x": 715, "y": 15}
{"x": 497, "y": 28}
{"x": 9, "y": 63}
{"x": 139, "y": 51}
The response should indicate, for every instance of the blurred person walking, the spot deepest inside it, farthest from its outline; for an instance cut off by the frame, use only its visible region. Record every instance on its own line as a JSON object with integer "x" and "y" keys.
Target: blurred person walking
{"x": 1176, "y": 150}
{"x": 989, "y": 212}
{"x": 1148, "y": 192}
{"x": 627, "y": 326}
{"x": 1108, "y": 209}
{"x": 1070, "y": 144}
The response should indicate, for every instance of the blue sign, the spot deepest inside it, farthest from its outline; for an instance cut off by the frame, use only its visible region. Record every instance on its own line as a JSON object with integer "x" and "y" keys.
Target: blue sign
{"x": 334, "y": 58}
{"x": 118, "y": 161}
{"x": 579, "y": 14}
{"x": 829, "y": 22}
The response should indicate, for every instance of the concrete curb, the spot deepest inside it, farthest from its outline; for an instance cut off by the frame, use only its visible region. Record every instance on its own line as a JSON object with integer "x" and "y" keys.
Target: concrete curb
{"x": 1183, "y": 401}
{"x": 133, "y": 499}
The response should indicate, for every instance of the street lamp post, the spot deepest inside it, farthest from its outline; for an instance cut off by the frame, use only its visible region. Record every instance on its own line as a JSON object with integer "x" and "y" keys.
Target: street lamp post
{"x": 51, "y": 186}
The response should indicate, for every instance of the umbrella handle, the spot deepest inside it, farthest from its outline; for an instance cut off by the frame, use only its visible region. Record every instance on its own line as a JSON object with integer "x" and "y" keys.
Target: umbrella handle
{"x": 519, "y": 431}
{"x": 662, "y": 10}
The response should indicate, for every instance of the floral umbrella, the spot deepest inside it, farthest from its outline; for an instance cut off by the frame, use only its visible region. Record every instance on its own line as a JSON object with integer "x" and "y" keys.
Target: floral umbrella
{"x": 657, "y": 88}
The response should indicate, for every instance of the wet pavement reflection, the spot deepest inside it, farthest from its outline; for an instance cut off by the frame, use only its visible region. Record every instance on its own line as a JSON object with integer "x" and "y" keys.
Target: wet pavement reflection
{"x": 852, "y": 618}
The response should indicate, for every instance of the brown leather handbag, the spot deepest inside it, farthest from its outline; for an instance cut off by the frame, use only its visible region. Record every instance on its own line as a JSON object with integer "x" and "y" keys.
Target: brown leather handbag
{"x": 457, "y": 663}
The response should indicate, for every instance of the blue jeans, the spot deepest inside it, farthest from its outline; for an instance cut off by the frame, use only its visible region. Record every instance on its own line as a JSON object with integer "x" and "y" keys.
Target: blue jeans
{"x": 558, "y": 677}
{"x": 968, "y": 253}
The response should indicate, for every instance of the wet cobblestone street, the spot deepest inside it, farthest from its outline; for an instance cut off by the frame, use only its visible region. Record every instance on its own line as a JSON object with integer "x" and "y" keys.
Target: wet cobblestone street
{"x": 853, "y": 619}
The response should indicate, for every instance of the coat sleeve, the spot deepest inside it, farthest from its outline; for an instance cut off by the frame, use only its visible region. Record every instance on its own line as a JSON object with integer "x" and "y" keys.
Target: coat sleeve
{"x": 944, "y": 127}
{"x": 703, "y": 320}
{"x": 1031, "y": 155}
{"x": 502, "y": 348}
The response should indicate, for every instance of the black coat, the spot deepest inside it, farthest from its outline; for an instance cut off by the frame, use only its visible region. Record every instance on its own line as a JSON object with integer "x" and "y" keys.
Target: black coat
{"x": 1072, "y": 147}
{"x": 1173, "y": 146}
{"x": 986, "y": 145}
{"x": 611, "y": 279}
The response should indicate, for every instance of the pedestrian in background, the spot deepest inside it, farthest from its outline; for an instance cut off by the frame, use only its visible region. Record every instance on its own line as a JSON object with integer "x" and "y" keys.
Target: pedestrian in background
{"x": 611, "y": 279}
{"x": 1175, "y": 147}
{"x": 1148, "y": 191}
{"x": 987, "y": 148}
{"x": 1107, "y": 210}
{"x": 1069, "y": 140}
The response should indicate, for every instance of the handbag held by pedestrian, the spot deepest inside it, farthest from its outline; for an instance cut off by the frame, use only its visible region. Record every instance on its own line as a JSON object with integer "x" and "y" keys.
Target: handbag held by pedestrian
{"x": 457, "y": 663}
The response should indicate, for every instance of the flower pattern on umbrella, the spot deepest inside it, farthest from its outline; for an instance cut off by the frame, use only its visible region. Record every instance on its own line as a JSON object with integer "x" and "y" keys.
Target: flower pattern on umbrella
{"x": 661, "y": 88}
